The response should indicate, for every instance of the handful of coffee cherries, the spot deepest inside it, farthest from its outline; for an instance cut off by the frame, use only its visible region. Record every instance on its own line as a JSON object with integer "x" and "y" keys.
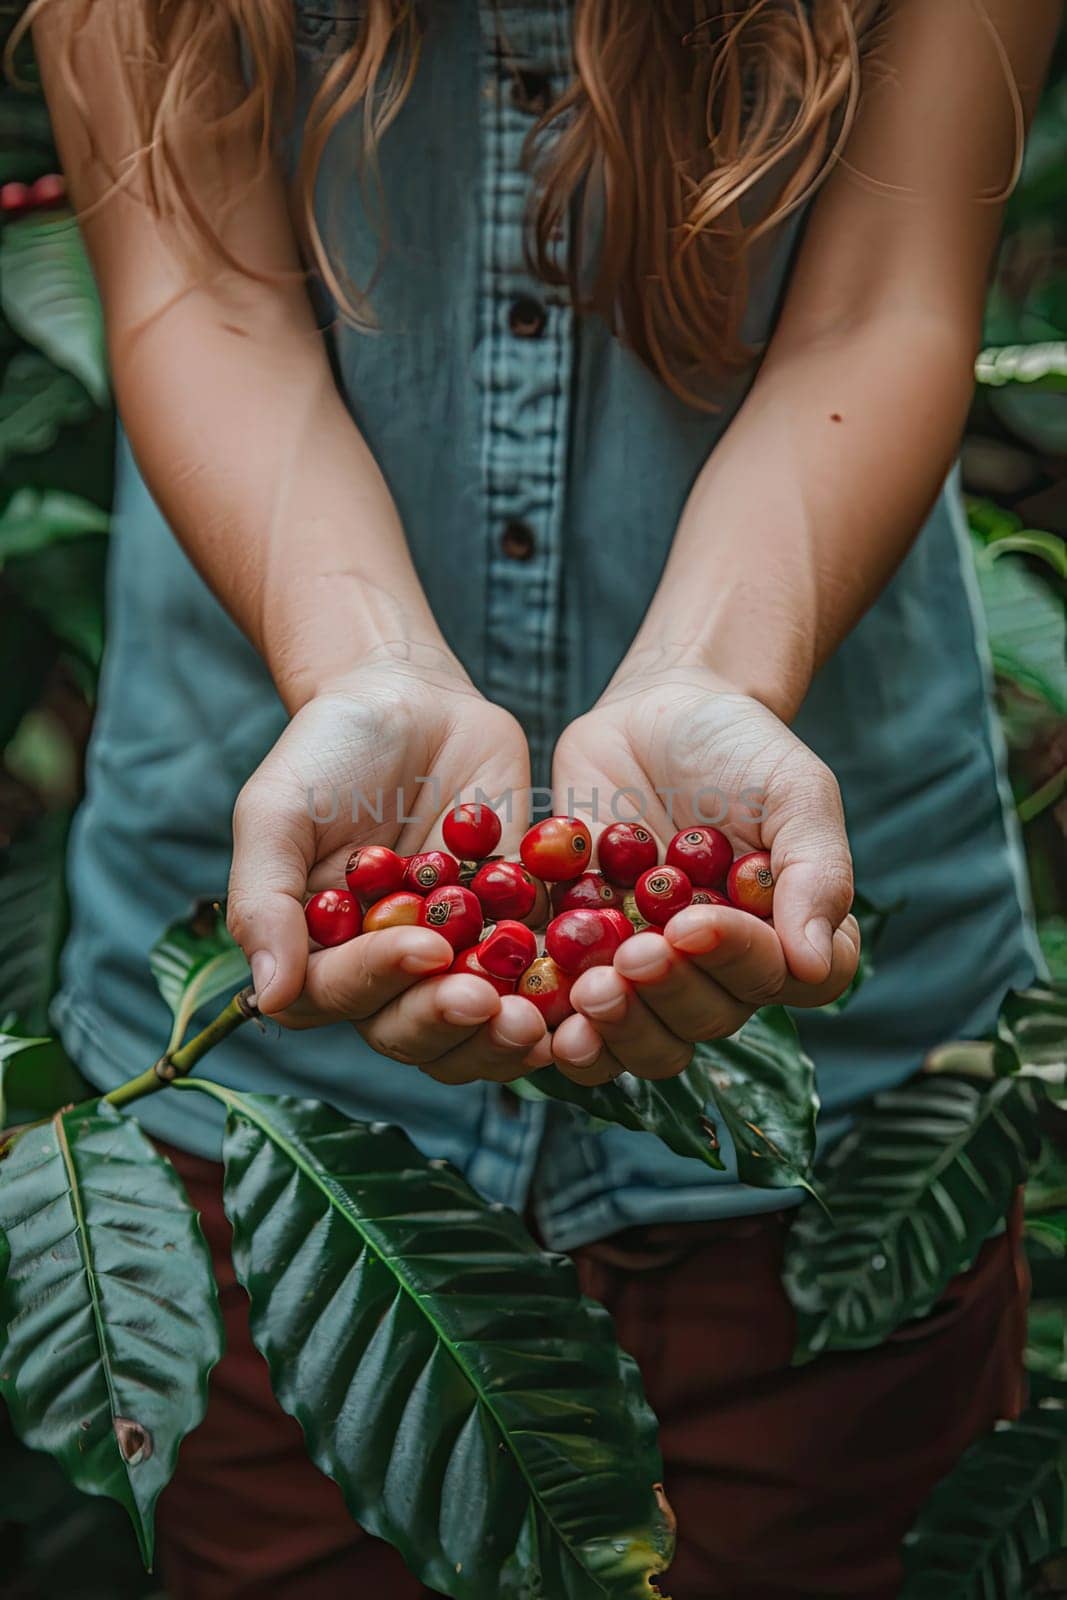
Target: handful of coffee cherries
{"x": 490, "y": 910}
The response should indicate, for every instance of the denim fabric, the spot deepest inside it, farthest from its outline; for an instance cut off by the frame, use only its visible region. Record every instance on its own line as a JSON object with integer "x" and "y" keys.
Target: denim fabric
{"x": 540, "y": 479}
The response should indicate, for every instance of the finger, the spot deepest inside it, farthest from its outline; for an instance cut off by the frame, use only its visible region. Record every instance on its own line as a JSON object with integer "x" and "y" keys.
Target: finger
{"x": 352, "y": 981}
{"x": 688, "y": 1002}
{"x": 272, "y": 853}
{"x": 540, "y": 1056}
{"x": 846, "y": 955}
{"x": 581, "y": 1055}
{"x": 500, "y": 1051}
{"x": 431, "y": 1018}
{"x": 737, "y": 965}
{"x": 743, "y": 955}
{"x": 812, "y": 869}
{"x": 630, "y": 1031}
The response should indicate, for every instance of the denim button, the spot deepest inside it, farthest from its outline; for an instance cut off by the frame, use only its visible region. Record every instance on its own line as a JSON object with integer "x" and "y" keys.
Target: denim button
{"x": 517, "y": 541}
{"x": 527, "y": 317}
{"x": 531, "y": 91}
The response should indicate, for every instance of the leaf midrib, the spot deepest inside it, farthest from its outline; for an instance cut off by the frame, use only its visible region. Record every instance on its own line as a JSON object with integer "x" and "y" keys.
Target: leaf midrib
{"x": 242, "y": 1108}
{"x": 99, "y": 1320}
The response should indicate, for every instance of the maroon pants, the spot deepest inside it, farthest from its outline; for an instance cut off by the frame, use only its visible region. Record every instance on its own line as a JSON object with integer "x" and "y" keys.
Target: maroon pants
{"x": 787, "y": 1482}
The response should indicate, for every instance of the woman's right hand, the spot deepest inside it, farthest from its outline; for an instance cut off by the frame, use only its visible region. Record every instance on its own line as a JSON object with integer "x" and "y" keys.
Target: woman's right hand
{"x": 402, "y": 735}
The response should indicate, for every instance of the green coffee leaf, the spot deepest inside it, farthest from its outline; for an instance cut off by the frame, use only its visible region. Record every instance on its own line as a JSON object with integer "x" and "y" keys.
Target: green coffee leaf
{"x": 109, "y": 1320}
{"x": 48, "y": 294}
{"x": 36, "y": 1078}
{"x": 195, "y": 961}
{"x": 474, "y": 1408}
{"x": 763, "y": 1084}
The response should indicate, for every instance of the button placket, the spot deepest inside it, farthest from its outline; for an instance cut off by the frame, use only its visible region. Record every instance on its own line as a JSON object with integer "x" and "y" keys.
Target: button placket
{"x": 522, "y": 365}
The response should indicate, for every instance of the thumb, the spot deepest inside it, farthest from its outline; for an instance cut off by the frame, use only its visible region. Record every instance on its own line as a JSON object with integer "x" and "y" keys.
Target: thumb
{"x": 812, "y": 868}
{"x": 272, "y": 853}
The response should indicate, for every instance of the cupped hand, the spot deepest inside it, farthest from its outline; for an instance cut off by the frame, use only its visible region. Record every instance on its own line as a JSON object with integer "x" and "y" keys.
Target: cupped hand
{"x": 685, "y": 750}
{"x": 379, "y": 758}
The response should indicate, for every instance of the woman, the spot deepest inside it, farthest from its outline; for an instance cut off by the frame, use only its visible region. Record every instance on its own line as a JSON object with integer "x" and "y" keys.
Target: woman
{"x": 535, "y": 503}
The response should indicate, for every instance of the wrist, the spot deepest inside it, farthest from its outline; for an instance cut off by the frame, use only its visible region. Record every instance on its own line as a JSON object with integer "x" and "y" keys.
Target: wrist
{"x": 333, "y": 650}
{"x": 418, "y": 664}
{"x": 648, "y": 664}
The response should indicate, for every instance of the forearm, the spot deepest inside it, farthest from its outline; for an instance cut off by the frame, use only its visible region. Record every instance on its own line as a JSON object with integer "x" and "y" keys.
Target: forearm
{"x": 221, "y": 376}
{"x": 804, "y": 510}
{"x": 823, "y": 479}
{"x": 251, "y": 455}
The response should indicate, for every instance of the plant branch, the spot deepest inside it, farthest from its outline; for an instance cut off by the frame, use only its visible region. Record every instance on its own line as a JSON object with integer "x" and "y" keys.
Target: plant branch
{"x": 1044, "y": 797}
{"x": 240, "y": 1009}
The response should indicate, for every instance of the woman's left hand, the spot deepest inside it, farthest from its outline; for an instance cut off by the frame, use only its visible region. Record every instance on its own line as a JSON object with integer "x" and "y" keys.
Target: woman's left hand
{"x": 696, "y": 752}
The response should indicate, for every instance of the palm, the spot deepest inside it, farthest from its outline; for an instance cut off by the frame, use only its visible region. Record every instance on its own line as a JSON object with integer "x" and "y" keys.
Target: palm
{"x": 381, "y": 764}
{"x": 386, "y": 773}
{"x": 693, "y": 754}
{"x": 689, "y": 757}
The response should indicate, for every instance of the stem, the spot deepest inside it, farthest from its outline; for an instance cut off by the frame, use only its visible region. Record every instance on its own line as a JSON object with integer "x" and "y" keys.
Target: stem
{"x": 240, "y": 1009}
{"x": 1044, "y": 797}
{"x": 167, "y": 1069}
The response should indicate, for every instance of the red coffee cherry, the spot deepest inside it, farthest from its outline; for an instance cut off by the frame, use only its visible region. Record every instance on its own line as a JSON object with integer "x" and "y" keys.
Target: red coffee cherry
{"x": 624, "y": 851}
{"x": 430, "y": 869}
{"x": 750, "y": 884}
{"x": 710, "y": 897}
{"x": 590, "y": 892}
{"x": 454, "y": 912}
{"x": 467, "y": 961}
{"x": 471, "y": 832}
{"x": 333, "y": 917}
{"x": 578, "y": 940}
{"x": 620, "y": 920}
{"x": 704, "y": 855}
{"x": 395, "y": 911}
{"x": 508, "y": 950}
{"x": 14, "y": 198}
{"x": 557, "y": 849}
{"x": 548, "y": 987}
{"x": 51, "y": 190}
{"x": 661, "y": 892}
{"x": 373, "y": 871}
{"x": 505, "y": 889}
{"x": 542, "y": 907}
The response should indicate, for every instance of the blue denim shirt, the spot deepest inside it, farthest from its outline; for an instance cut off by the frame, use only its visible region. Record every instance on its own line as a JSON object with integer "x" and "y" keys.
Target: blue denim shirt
{"x": 540, "y": 471}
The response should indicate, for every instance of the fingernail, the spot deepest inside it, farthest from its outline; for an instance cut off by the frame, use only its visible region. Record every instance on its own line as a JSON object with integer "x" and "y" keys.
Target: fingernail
{"x": 695, "y": 931}
{"x": 602, "y": 994}
{"x": 820, "y": 937}
{"x": 512, "y": 1035}
{"x": 466, "y": 1016}
{"x": 644, "y": 956}
{"x": 604, "y": 1009}
{"x": 263, "y": 967}
{"x": 583, "y": 1058}
{"x": 421, "y": 961}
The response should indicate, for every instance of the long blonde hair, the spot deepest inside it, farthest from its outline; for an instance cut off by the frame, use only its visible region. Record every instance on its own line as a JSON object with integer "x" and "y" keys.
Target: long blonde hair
{"x": 691, "y": 128}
